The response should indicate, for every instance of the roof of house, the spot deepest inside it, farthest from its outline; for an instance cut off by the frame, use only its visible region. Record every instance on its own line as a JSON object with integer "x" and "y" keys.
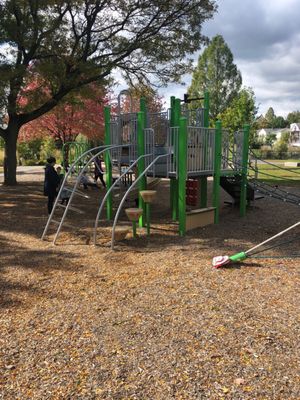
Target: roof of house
{"x": 264, "y": 131}
{"x": 295, "y": 127}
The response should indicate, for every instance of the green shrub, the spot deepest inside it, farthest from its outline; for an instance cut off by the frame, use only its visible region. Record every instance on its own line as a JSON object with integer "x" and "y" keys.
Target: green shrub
{"x": 36, "y": 151}
{"x": 48, "y": 148}
{"x": 29, "y": 151}
{"x": 281, "y": 148}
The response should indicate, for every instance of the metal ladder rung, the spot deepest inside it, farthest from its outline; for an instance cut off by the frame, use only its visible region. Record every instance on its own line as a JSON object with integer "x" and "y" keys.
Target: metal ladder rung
{"x": 70, "y": 208}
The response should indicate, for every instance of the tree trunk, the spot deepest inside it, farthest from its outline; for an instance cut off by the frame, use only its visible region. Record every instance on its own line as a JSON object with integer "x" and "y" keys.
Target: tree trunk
{"x": 10, "y": 155}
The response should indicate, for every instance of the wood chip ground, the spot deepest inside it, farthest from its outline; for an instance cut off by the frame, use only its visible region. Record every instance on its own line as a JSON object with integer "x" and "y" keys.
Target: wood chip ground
{"x": 152, "y": 319}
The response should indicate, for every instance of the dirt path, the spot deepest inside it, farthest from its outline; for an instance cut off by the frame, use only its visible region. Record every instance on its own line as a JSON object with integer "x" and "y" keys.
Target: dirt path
{"x": 151, "y": 320}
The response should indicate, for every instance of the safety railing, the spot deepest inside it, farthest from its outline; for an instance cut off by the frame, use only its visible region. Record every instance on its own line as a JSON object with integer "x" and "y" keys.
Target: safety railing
{"x": 172, "y": 146}
{"x": 88, "y": 157}
{"x": 126, "y": 194}
{"x": 115, "y": 184}
{"x": 200, "y": 150}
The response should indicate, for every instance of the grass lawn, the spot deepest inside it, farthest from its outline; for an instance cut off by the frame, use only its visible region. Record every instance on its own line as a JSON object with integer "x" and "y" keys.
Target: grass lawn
{"x": 280, "y": 176}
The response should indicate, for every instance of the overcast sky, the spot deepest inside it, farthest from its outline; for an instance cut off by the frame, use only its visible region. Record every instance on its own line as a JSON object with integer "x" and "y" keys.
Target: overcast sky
{"x": 264, "y": 37}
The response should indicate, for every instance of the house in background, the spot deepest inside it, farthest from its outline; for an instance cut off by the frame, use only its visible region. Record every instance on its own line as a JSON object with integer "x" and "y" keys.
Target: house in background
{"x": 263, "y": 133}
{"x": 295, "y": 134}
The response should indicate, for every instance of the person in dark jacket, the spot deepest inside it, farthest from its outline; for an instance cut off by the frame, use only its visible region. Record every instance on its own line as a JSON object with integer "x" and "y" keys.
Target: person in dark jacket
{"x": 98, "y": 172}
{"x": 51, "y": 182}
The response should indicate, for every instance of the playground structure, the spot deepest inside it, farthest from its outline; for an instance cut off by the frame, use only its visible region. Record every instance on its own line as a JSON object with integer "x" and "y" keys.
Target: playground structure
{"x": 176, "y": 144}
{"x": 71, "y": 151}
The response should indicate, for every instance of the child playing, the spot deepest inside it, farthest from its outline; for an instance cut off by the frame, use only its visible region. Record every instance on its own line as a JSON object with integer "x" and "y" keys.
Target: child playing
{"x": 85, "y": 182}
{"x": 65, "y": 193}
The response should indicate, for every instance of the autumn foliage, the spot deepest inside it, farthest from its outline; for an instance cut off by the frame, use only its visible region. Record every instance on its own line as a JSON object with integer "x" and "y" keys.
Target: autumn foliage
{"x": 80, "y": 113}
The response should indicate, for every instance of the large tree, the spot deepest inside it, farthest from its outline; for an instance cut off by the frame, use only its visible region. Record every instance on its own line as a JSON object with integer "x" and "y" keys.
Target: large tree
{"x": 270, "y": 117}
{"x": 241, "y": 111}
{"x": 270, "y": 120}
{"x": 69, "y": 44}
{"x": 293, "y": 117}
{"x": 217, "y": 73}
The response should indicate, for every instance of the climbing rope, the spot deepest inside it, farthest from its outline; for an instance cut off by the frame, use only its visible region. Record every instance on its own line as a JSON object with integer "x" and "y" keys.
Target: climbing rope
{"x": 263, "y": 187}
{"x": 279, "y": 257}
{"x": 276, "y": 245}
{"x": 273, "y": 176}
{"x": 274, "y": 191}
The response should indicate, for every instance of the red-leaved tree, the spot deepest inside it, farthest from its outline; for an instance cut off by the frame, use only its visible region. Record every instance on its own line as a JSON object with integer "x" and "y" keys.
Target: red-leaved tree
{"x": 81, "y": 113}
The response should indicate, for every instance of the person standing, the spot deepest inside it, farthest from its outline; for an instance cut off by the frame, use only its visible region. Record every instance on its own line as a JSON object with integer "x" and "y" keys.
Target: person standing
{"x": 51, "y": 182}
{"x": 98, "y": 172}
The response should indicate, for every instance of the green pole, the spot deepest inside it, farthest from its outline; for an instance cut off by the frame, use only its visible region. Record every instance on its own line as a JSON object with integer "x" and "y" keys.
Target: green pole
{"x": 203, "y": 179}
{"x": 141, "y": 163}
{"x": 172, "y": 180}
{"x": 134, "y": 228}
{"x": 177, "y": 112}
{"x": 243, "y": 198}
{"x": 143, "y": 106}
{"x": 182, "y": 175}
{"x": 108, "y": 166}
{"x": 176, "y": 144}
{"x": 217, "y": 170}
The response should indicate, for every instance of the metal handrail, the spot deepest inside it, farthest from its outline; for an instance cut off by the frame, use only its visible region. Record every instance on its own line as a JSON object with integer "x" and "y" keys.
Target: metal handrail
{"x": 127, "y": 192}
{"x": 69, "y": 172}
{"x": 104, "y": 148}
{"x": 110, "y": 190}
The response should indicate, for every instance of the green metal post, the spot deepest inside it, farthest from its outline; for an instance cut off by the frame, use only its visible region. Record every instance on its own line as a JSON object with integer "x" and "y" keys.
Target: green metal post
{"x": 174, "y": 194}
{"x": 141, "y": 163}
{"x": 203, "y": 179}
{"x": 134, "y": 228}
{"x": 217, "y": 170}
{"x": 243, "y": 198}
{"x": 173, "y": 191}
{"x": 177, "y": 112}
{"x": 182, "y": 175}
{"x": 108, "y": 165}
{"x": 143, "y": 106}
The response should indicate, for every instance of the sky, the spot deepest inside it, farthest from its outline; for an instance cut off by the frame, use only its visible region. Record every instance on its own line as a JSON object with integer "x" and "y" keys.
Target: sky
{"x": 264, "y": 37}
